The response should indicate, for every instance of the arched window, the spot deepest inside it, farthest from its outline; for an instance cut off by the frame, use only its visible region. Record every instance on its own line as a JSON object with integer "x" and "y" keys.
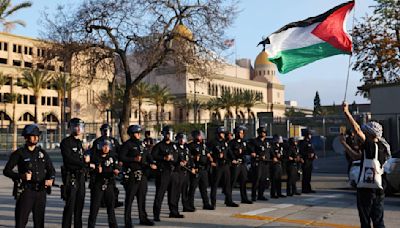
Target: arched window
{"x": 27, "y": 117}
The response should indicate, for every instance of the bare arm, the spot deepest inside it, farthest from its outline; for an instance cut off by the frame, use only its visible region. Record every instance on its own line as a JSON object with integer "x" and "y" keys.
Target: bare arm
{"x": 355, "y": 155}
{"x": 352, "y": 121}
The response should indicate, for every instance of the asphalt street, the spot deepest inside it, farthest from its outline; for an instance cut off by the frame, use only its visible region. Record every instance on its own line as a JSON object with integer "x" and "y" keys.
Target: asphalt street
{"x": 334, "y": 205}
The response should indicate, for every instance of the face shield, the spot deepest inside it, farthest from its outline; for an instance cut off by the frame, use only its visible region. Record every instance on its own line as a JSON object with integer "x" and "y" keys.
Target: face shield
{"x": 77, "y": 129}
{"x": 105, "y": 146}
{"x": 168, "y": 135}
{"x": 182, "y": 140}
{"x": 106, "y": 132}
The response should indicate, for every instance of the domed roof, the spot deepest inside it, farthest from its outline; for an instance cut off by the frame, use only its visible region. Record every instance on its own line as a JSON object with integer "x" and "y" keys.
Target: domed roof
{"x": 262, "y": 59}
{"x": 183, "y": 31}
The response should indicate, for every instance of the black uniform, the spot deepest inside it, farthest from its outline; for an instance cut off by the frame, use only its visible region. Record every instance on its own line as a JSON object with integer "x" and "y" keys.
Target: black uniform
{"x": 33, "y": 195}
{"x": 163, "y": 175}
{"x": 199, "y": 153}
{"x": 293, "y": 155}
{"x": 73, "y": 172}
{"x": 177, "y": 178}
{"x": 135, "y": 178}
{"x": 115, "y": 151}
{"x": 308, "y": 155}
{"x": 260, "y": 167}
{"x": 237, "y": 151}
{"x": 276, "y": 170}
{"x": 184, "y": 155}
{"x": 222, "y": 172}
{"x": 103, "y": 187}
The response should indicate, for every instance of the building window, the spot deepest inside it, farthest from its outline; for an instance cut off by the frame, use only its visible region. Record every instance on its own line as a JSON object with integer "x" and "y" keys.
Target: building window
{"x": 55, "y": 101}
{"x": 32, "y": 100}
{"x": 16, "y": 63}
{"x": 17, "y": 48}
{"x": 43, "y": 100}
{"x": 51, "y": 67}
{"x": 40, "y": 66}
{"x": 3, "y": 61}
{"x": 25, "y": 97}
{"x": 27, "y": 117}
{"x": 48, "y": 103}
{"x": 3, "y": 46}
{"x": 28, "y": 64}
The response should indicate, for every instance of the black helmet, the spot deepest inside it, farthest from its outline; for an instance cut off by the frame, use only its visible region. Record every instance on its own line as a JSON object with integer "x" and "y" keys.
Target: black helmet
{"x": 221, "y": 129}
{"x": 239, "y": 128}
{"x": 196, "y": 133}
{"x": 75, "y": 122}
{"x": 134, "y": 129}
{"x": 166, "y": 129}
{"x": 31, "y": 129}
{"x": 105, "y": 127}
{"x": 179, "y": 136}
{"x": 261, "y": 129}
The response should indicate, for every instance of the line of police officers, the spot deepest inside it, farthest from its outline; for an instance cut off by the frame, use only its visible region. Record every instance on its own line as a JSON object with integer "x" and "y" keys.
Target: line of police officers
{"x": 179, "y": 168}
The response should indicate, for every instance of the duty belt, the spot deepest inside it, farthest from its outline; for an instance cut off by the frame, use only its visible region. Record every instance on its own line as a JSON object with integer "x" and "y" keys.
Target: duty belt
{"x": 35, "y": 186}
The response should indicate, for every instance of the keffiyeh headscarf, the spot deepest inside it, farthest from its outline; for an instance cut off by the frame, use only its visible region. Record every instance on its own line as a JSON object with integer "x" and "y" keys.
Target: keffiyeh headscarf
{"x": 375, "y": 129}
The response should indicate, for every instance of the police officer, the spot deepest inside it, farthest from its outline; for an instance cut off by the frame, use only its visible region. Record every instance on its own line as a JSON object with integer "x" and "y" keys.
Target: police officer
{"x": 221, "y": 171}
{"x": 135, "y": 181}
{"x": 148, "y": 140}
{"x": 106, "y": 167}
{"x": 260, "y": 158}
{"x": 201, "y": 158}
{"x": 73, "y": 174}
{"x": 276, "y": 167}
{"x": 163, "y": 154}
{"x": 35, "y": 174}
{"x": 308, "y": 154}
{"x": 293, "y": 161}
{"x": 238, "y": 149}
{"x": 106, "y": 130}
{"x": 186, "y": 169}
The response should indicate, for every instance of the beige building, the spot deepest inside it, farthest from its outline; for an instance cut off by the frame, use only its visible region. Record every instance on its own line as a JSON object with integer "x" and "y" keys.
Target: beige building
{"x": 19, "y": 54}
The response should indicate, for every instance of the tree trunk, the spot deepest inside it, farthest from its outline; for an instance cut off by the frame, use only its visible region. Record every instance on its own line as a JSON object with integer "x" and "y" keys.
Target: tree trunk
{"x": 36, "y": 108}
{"x": 140, "y": 111}
{"x": 14, "y": 127}
{"x": 60, "y": 129}
{"x": 157, "y": 116}
{"x": 125, "y": 114}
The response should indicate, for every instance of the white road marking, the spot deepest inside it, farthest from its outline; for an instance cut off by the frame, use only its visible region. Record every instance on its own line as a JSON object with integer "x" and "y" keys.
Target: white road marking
{"x": 272, "y": 208}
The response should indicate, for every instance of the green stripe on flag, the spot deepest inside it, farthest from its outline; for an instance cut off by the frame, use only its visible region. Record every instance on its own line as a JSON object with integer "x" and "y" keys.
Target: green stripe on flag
{"x": 289, "y": 60}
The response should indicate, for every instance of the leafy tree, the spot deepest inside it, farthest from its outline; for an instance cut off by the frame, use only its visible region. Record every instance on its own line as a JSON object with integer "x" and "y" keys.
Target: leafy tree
{"x": 7, "y": 10}
{"x": 249, "y": 100}
{"x": 227, "y": 102}
{"x": 376, "y": 45}
{"x": 159, "y": 96}
{"x": 148, "y": 33}
{"x": 35, "y": 80}
{"x": 317, "y": 105}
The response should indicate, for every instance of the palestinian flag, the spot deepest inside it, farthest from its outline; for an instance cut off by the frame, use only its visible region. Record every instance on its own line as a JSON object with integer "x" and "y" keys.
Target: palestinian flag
{"x": 303, "y": 42}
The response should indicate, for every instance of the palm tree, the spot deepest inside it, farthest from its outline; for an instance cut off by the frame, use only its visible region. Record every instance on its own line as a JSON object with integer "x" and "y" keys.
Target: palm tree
{"x": 62, "y": 84}
{"x": 167, "y": 97}
{"x": 227, "y": 102}
{"x": 157, "y": 96}
{"x": 35, "y": 80}
{"x": 249, "y": 100}
{"x": 7, "y": 10}
{"x": 141, "y": 91}
{"x": 213, "y": 105}
{"x": 13, "y": 98}
{"x": 237, "y": 102}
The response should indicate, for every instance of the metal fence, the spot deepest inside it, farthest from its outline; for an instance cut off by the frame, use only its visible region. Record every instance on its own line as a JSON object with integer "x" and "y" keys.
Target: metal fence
{"x": 325, "y": 129}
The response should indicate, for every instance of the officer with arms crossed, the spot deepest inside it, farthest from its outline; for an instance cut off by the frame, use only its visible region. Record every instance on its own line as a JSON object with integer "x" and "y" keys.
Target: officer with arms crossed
{"x": 106, "y": 167}
{"x": 219, "y": 151}
{"x": 260, "y": 158}
{"x": 238, "y": 149}
{"x": 135, "y": 180}
{"x": 106, "y": 130}
{"x": 73, "y": 174}
{"x": 35, "y": 174}
{"x": 201, "y": 158}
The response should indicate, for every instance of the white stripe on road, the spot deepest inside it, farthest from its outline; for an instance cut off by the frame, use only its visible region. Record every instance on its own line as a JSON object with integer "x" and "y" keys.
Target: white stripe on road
{"x": 319, "y": 197}
{"x": 264, "y": 210}
{"x": 259, "y": 211}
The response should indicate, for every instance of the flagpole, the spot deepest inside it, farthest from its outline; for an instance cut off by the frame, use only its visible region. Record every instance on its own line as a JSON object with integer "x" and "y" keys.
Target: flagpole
{"x": 234, "y": 61}
{"x": 349, "y": 62}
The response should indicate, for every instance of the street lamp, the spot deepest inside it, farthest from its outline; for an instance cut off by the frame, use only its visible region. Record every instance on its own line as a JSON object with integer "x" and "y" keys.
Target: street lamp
{"x": 194, "y": 80}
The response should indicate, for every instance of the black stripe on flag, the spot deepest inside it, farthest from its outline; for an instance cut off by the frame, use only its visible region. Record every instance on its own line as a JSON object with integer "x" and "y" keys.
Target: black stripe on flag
{"x": 307, "y": 22}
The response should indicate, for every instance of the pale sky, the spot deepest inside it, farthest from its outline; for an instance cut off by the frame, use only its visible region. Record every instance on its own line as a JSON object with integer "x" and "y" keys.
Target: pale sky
{"x": 257, "y": 19}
